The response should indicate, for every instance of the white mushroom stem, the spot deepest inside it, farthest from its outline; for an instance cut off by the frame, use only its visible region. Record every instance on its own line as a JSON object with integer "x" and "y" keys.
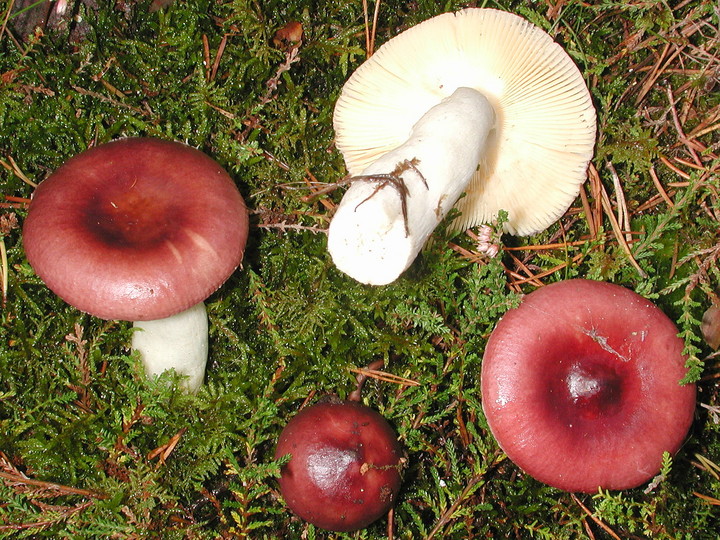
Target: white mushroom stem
{"x": 179, "y": 342}
{"x": 368, "y": 239}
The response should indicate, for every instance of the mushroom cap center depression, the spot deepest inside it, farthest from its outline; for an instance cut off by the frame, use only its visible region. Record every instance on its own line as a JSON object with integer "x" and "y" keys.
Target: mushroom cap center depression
{"x": 589, "y": 389}
{"x": 131, "y": 212}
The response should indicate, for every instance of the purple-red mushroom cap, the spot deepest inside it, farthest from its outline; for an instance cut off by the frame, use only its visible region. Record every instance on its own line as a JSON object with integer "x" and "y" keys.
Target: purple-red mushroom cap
{"x": 136, "y": 229}
{"x": 581, "y": 386}
{"x": 344, "y": 470}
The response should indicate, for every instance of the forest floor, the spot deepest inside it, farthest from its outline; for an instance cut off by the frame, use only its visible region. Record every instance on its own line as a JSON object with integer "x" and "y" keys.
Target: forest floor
{"x": 89, "y": 448}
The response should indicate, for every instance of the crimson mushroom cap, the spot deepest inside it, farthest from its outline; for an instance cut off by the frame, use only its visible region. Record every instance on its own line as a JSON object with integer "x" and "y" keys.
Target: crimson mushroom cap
{"x": 581, "y": 386}
{"x": 344, "y": 470}
{"x": 136, "y": 229}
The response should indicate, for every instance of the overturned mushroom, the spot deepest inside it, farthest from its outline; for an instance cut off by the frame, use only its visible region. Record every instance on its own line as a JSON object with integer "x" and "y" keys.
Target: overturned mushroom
{"x": 142, "y": 230}
{"x": 479, "y": 101}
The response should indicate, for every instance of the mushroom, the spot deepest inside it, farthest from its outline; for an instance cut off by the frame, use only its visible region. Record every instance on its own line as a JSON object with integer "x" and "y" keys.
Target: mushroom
{"x": 344, "y": 471}
{"x": 479, "y": 101}
{"x": 581, "y": 386}
{"x": 345, "y": 462}
{"x": 144, "y": 230}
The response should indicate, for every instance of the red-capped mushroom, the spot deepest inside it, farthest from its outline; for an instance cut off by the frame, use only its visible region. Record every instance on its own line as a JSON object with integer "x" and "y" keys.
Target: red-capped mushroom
{"x": 344, "y": 472}
{"x": 143, "y": 230}
{"x": 345, "y": 461}
{"x": 581, "y": 386}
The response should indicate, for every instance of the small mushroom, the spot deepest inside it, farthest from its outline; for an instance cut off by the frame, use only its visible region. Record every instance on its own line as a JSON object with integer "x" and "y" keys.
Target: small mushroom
{"x": 142, "y": 230}
{"x": 344, "y": 469}
{"x": 478, "y": 102}
{"x": 344, "y": 472}
{"x": 581, "y": 386}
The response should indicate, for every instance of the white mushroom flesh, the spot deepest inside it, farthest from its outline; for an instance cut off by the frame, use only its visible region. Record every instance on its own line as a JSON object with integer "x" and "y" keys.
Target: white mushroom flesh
{"x": 371, "y": 237}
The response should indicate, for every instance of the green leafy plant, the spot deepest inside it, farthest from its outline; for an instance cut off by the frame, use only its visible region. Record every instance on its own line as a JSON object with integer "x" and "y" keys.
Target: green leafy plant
{"x": 91, "y": 449}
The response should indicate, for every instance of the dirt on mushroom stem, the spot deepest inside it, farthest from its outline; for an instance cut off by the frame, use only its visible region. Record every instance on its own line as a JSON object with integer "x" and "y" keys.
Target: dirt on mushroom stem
{"x": 395, "y": 180}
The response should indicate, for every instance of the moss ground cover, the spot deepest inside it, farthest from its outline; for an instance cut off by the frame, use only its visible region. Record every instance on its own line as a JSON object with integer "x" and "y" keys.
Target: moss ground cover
{"x": 90, "y": 449}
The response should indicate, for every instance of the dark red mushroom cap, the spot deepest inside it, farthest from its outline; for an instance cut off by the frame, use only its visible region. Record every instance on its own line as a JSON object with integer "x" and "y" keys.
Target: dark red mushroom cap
{"x": 580, "y": 386}
{"x": 344, "y": 470}
{"x": 136, "y": 229}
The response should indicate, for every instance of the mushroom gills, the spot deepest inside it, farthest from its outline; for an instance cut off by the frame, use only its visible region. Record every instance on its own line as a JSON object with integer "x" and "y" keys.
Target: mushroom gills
{"x": 178, "y": 342}
{"x": 380, "y": 227}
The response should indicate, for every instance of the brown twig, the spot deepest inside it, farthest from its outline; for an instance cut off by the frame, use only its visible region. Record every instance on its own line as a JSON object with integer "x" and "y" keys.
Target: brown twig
{"x": 166, "y": 449}
{"x": 529, "y": 276}
{"x": 316, "y": 192}
{"x": 618, "y": 232}
{"x": 447, "y": 515}
{"x": 391, "y": 523}
{"x": 218, "y": 56}
{"x": 707, "y": 498}
{"x": 206, "y": 55}
{"x": 682, "y": 174}
{"x": 17, "y": 479}
{"x": 592, "y": 227}
{"x": 12, "y": 167}
{"x": 595, "y": 190}
{"x": 15, "y": 202}
{"x": 10, "y": 6}
{"x": 521, "y": 280}
{"x": 548, "y": 247}
{"x": 678, "y": 128}
{"x": 623, "y": 216}
{"x": 327, "y": 188}
{"x": 362, "y": 377}
{"x": 370, "y": 33}
{"x": 8, "y": 222}
{"x": 384, "y": 376}
{"x": 659, "y": 187}
{"x": 395, "y": 180}
{"x": 597, "y": 520}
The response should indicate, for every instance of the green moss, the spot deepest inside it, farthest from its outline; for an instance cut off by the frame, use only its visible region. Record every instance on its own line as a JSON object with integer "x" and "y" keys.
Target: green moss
{"x": 146, "y": 460}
